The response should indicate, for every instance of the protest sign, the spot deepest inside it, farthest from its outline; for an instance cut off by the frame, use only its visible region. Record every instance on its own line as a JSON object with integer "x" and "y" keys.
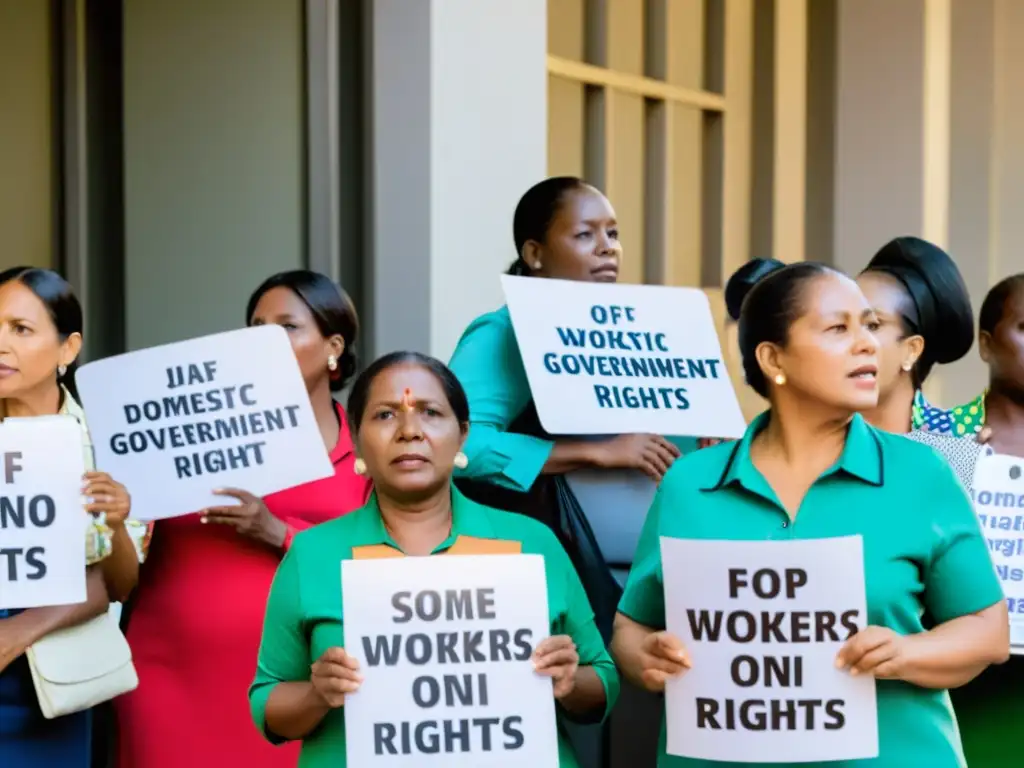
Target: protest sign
{"x": 444, "y": 646}
{"x": 42, "y": 516}
{"x": 613, "y": 359}
{"x": 763, "y": 622}
{"x": 998, "y": 493}
{"x": 175, "y": 422}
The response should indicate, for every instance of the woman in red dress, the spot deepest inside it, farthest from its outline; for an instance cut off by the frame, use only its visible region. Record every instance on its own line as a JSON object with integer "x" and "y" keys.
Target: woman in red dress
{"x": 195, "y": 626}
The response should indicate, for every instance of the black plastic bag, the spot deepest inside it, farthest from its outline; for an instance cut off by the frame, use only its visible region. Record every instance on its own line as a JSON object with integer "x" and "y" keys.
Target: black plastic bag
{"x": 551, "y": 501}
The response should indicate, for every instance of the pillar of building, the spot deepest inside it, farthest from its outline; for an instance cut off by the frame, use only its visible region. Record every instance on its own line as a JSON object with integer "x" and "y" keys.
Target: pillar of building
{"x": 459, "y": 132}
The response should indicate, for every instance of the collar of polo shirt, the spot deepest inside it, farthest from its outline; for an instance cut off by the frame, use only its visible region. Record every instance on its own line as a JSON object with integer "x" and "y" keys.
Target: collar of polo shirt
{"x": 861, "y": 459}
{"x": 471, "y": 533}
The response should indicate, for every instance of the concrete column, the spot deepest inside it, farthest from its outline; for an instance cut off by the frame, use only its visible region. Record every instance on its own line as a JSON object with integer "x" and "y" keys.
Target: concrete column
{"x": 913, "y": 141}
{"x": 213, "y": 160}
{"x": 459, "y": 132}
{"x": 879, "y": 152}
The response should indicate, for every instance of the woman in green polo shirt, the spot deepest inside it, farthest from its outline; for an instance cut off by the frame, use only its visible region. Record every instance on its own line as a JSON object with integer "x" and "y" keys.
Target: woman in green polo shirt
{"x": 810, "y": 468}
{"x": 409, "y": 418}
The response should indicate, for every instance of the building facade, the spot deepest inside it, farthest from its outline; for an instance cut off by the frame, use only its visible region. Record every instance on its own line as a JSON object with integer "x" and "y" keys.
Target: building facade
{"x": 167, "y": 156}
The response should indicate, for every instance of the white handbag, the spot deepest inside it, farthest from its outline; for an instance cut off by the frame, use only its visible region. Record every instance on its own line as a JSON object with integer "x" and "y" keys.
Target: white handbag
{"x": 79, "y": 667}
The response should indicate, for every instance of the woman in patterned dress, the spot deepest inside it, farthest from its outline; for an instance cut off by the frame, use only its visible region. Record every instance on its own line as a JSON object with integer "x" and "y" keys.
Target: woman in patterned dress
{"x": 991, "y": 708}
{"x": 926, "y": 318}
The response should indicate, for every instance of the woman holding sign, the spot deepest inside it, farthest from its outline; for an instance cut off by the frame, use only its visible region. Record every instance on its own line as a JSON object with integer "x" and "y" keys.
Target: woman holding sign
{"x": 564, "y": 229}
{"x": 991, "y": 708}
{"x": 40, "y": 338}
{"x": 811, "y": 468}
{"x": 410, "y": 418}
{"x": 204, "y": 586}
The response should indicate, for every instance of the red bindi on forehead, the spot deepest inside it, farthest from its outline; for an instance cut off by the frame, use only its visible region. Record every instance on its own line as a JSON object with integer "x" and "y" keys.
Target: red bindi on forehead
{"x": 408, "y": 401}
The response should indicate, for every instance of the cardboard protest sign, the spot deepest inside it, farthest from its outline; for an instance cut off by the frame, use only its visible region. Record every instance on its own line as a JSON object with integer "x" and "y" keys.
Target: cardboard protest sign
{"x": 616, "y": 359}
{"x": 763, "y": 621}
{"x": 42, "y": 517}
{"x": 998, "y": 493}
{"x": 175, "y": 422}
{"x": 444, "y": 646}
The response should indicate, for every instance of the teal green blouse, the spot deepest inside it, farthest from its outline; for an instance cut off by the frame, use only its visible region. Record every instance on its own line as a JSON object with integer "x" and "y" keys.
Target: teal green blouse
{"x": 924, "y": 554}
{"x": 489, "y": 365}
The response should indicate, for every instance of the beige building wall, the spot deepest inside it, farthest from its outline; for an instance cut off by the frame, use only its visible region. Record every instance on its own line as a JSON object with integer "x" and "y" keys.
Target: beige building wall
{"x": 214, "y": 159}
{"x": 27, "y": 164}
{"x": 802, "y": 128}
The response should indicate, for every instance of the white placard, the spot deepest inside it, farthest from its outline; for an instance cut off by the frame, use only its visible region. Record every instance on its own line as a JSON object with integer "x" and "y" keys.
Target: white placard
{"x": 444, "y": 646}
{"x": 42, "y": 518}
{"x": 175, "y": 422}
{"x": 763, "y": 622}
{"x": 614, "y": 359}
{"x": 998, "y": 492}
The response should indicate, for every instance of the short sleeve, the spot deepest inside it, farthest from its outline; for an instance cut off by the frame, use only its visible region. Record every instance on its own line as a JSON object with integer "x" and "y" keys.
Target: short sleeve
{"x": 487, "y": 363}
{"x": 284, "y": 654}
{"x": 581, "y": 628}
{"x": 644, "y": 597}
{"x": 960, "y": 578}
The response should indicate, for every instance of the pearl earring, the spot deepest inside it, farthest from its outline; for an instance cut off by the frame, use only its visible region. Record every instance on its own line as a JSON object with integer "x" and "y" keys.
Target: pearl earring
{"x": 461, "y": 460}
{"x": 907, "y": 365}
{"x": 359, "y": 467}
{"x": 61, "y": 370}
{"x": 780, "y": 379}
{"x": 332, "y": 363}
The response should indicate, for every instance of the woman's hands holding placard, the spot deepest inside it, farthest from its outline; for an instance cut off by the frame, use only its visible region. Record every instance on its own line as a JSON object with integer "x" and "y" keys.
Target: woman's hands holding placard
{"x": 107, "y": 497}
{"x": 651, "y": 454}
{"x": 249, "y": 518}
{"x": 876, "y": 651}
{"x": 556, "y": 657}
{"x": 334, "y": 675}
{"x": 662, "y": 657}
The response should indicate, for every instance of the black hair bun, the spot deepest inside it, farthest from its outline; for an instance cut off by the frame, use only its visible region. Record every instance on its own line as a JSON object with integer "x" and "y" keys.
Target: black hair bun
{"x": 945, "y": 318}
{"x": 745, "y": 278}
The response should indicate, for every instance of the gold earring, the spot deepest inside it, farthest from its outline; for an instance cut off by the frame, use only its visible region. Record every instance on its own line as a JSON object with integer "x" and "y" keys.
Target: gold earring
{"x": 780, "y": 379}
{"x": 359, "y": 467}
{"x": 461, "y": 460}
{"x": 332, "y": 363}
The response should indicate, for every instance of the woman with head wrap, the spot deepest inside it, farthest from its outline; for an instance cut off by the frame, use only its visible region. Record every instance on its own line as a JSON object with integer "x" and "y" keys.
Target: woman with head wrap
{"x": 925, "y": 317}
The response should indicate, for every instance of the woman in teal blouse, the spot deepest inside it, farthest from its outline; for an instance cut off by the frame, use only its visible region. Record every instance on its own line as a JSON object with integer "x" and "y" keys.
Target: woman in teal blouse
{"x": 809, "y": 468}
{"x": 567, "y": 230}
{"x": 409, "y": 418}
{"x": 563, "y": 229}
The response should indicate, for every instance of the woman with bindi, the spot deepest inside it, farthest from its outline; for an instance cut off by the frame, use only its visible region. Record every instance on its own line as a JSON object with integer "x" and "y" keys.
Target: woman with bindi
{"x": 410, "y": 417}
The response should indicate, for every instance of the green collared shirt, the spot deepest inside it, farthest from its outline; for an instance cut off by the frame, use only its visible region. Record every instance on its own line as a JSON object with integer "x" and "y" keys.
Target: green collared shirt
{"x": 924, "y": 555}
{"x": 304, "y": 612}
